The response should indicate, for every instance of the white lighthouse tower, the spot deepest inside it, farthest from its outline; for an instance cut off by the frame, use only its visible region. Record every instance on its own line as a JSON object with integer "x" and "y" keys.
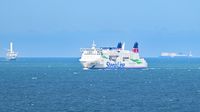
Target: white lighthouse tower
{"x": 11, "y": 55}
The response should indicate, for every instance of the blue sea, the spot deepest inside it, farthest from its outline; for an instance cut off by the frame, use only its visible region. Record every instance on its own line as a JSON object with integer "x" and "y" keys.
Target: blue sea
{"x": 61, "y": 85}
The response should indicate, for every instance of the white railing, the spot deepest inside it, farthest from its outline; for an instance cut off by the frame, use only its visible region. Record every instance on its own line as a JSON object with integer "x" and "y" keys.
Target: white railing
{"x": 89, "y": 49}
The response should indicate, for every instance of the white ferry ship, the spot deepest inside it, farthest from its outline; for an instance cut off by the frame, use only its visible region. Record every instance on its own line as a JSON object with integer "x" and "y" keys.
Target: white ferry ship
{"x": 112, "y": 57}
{"x": 11, "y": 55}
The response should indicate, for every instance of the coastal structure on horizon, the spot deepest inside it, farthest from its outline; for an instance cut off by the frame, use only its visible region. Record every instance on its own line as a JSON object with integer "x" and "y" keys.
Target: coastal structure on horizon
{"x": 11, "y": 54}
{"x": 174, "y": 54}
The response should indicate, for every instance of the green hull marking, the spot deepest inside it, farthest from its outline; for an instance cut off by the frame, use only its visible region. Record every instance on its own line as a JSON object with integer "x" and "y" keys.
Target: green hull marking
{"x": 136, "y": 61}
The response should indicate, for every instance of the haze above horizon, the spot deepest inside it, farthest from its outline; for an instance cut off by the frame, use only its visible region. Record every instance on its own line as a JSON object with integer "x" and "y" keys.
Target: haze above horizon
{"x": 59, "y": 28}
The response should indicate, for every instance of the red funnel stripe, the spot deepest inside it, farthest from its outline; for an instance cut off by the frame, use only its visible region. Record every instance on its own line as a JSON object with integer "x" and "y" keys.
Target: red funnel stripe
{"x": 135, "y": 50}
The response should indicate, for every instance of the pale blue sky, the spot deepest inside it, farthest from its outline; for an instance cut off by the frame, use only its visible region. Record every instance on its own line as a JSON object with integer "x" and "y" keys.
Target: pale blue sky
{"x": 59, "y": 28}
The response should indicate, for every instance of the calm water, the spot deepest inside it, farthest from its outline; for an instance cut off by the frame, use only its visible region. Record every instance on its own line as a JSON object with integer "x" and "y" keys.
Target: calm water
{"x": 60, "y": 85}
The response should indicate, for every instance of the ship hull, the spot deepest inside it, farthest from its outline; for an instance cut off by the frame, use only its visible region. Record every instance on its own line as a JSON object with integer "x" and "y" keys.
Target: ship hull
{"x": 113, "y": 65}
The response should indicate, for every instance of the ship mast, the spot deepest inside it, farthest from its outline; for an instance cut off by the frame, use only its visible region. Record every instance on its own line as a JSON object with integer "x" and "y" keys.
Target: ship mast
{"x": 93, "y": 45}
{"x": 11, "y": 47}
{"x": 11, "y": 55}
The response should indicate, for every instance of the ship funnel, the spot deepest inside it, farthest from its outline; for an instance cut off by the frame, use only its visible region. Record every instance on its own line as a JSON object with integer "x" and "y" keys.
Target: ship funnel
{"x": 135, "y": 48}
{"x": 119, "y": 45}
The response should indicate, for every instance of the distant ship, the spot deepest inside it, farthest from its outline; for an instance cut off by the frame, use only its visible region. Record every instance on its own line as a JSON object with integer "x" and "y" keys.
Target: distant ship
{"x": 173, "y": 54}
{"x": 112, "y": 57}
{"x": 11, "y": 55}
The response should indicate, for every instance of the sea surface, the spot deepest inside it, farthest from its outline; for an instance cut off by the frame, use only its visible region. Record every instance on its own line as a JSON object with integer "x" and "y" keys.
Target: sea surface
{"x": 61, "y": 85}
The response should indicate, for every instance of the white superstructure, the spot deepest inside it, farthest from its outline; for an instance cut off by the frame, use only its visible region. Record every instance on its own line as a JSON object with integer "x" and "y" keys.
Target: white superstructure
{"x": 11, "y": 55}
{"x": 111, "y": 57}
